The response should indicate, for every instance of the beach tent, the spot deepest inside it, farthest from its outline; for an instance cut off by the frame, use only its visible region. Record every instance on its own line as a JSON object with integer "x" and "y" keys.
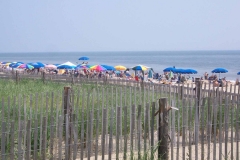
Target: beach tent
{"x": 66, "y": 65}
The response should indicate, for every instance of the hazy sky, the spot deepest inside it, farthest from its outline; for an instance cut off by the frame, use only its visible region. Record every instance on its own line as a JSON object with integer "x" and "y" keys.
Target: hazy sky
{"x": 118, "y": 25}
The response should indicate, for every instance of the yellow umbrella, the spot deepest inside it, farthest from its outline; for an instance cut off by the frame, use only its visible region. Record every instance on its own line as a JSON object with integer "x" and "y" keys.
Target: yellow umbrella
{"x": 120, "y": 68}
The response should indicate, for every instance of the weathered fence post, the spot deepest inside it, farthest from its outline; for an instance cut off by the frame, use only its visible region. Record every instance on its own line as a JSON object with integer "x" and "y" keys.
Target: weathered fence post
{"x": 68, "y": 112}
{"x": 163, "y": 136}
{"x": 43, "y": 76}
{"x": 198, "y": 86}
{"x": 17, "y": 78}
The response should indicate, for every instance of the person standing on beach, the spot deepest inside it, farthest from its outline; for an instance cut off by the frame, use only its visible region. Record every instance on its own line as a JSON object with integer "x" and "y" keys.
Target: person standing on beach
{"x": 205, "y": 75}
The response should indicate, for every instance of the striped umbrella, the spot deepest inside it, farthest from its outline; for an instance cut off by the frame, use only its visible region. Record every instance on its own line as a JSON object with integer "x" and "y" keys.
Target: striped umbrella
{"x": 98, "y": 68}
{"x": 25, "y": 66}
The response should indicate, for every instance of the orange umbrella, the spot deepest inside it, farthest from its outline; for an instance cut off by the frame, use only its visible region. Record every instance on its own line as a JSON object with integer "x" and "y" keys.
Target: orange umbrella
{"x": 120, "y": 68}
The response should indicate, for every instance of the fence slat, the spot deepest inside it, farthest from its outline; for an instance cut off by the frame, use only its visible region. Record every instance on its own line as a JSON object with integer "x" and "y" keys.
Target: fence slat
{"x": 202, "y": 127}
{"x": 44, "y": 138}
{"x": 12, "y": 140}
{"x": 237, "y": 123}
{"x": 152, "y": 130}
{"x": 118, "y": 132}
{"x": 97, "y": 124}
{"x": 28, "y": 140}
{"x": 132, "y": 131}
{"x": 67, "y": 134}
{"x": 75, "y": 136}
{"x": 226, "y": 113}
{"x": 3, "y": 139}
{"x": 111, "y": 136}
{"x": 103, "y": 133}
{"x": 125, "y": 133}
{"x": 60, "y": 132}
{"x": 184, "y": 123}
{"x": 146, "y": 127}
{"x": 90, "y": 135}
{"x": 139, "y": 128}
{"x": 20, "y": 136}
{"x": 214, "y": 127}
{"x": 35, "y": 147}
{"x": 51, "y": 136}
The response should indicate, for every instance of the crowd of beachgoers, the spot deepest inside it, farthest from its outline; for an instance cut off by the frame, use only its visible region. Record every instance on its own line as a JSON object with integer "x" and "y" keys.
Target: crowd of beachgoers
{"x": 142, "y": 73}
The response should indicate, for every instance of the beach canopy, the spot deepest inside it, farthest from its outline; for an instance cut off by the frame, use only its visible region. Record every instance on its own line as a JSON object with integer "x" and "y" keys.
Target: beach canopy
{"x": 83, "y": 58}
{"x": 109, "y": 68}
{"x": 219, "y": 70}
{"x": 66, "y": 65}
{"x": 140, "y": 68}
{"x": 120, "y": 68}
{"x": 98, "y": 68}
{"x": 169, "y": 69}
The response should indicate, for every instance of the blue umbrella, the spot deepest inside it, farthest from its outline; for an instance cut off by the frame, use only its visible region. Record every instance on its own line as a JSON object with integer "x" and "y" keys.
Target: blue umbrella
{"x": 169, "y": 69}
{"x": 37, "y": 64}
{"x": 83, "y": 58}
{"x": 15, "y": 64}
{"x": 109, "y": 68}
{"x": 66, "y": 67}
{"x": 238, "y": 73}
{"x": 189, "y": 71}
{"x": 219, "y": 70}
{"x": 83, "y": 66}
{"x": 181, "y": 71}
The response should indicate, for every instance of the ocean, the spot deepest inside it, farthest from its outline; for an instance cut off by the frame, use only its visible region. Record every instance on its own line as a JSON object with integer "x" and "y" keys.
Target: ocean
{"x": 202, "y": 61}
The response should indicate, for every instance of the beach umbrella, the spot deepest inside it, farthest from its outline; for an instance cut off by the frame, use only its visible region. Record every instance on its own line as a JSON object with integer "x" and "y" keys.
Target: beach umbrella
{"x": 5, "y": 62}
{"x": 180, "y": 71}
{"x": 83, "y": 66}
{"x": 189, "y": 71}
{"x": 238, "y": 73}
{"x": 140, "y": 68}
{"x": 50, "y": 66}
{"x": 15, "y": 64}
{"x": 169, "y": 69}
{"x": 25, "y": 66}
{"x": 219, "y": 70}
{"x": 98, "y": 68}
{"x": 37, "y": 64}
{"x": 66, "y": 65}
{"x": 120, "y": 68}
{"x": 83, "y": 58}
{"x": 109, "y": 68}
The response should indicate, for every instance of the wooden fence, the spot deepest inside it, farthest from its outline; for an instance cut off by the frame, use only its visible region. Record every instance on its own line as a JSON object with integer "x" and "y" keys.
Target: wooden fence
{"x": 119, "y": 122}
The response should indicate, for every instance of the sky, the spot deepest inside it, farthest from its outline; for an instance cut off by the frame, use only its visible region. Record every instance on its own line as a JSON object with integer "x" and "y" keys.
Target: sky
{"x": 118, "y": 25}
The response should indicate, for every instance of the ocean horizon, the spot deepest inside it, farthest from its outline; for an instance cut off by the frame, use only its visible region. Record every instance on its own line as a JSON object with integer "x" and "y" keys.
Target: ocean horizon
{"x": 202, "y": 61}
